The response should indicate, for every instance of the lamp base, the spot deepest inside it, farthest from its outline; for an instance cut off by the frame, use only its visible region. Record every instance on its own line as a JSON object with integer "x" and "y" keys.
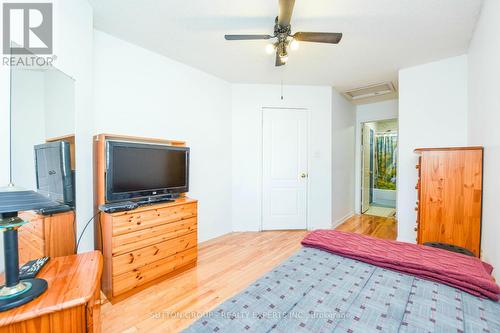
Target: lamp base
{"x": 31, "y": 289}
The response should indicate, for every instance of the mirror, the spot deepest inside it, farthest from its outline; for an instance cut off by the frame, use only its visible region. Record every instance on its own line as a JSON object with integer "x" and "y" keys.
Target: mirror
{"x": 42, "y": 106}
{"x": 43, "y": 144}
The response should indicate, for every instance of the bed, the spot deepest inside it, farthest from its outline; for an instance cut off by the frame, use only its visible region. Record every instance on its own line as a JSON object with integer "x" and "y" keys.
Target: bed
{"x": 317, "y": 290}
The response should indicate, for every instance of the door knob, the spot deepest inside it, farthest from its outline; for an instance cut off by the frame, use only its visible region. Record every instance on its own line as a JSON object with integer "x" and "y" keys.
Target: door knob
{"x": 303, "y": 175}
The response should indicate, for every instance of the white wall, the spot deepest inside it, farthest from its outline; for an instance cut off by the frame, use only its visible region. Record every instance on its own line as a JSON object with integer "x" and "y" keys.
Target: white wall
{"x": 247, "y": 103}
{"x": 138, "y": 92}
{"x": 59, "y": 104}
{"x": 369, "y": 113}
{"x": 377, "y": 111}
{"x": 484, "y": 117}
{"x": 343, "y": 150}
{"x": 432, "y": 113}
{"x": 28, "y": 124}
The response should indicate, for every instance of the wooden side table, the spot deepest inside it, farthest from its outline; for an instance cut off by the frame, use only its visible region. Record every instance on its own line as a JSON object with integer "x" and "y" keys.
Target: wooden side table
{"x": 71, "y": 302}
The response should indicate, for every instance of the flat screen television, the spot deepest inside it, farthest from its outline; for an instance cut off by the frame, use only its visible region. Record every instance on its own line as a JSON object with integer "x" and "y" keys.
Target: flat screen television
{"x": 54, "y": 177}
{"x": 140, "y": 170}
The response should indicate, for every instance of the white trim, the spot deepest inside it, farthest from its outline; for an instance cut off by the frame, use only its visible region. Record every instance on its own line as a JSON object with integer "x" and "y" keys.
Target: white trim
{"x": 359, "y": 159}
{"x": 342, "y": 220}
{"x": 282, "y": 108}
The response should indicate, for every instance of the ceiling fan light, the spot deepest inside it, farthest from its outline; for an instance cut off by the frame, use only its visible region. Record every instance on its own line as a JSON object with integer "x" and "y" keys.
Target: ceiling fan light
{"x": 284, "y": 58}
{"x": 294, "y": 45}
{"x": 270, "y": 48}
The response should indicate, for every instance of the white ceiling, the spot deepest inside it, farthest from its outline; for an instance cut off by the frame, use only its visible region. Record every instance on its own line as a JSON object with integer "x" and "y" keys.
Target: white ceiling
{"x": 380, "y": 36}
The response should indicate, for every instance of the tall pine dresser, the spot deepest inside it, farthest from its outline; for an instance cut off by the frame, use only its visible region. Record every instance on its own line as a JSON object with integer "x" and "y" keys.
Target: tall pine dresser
{"x": 450, "y": 187}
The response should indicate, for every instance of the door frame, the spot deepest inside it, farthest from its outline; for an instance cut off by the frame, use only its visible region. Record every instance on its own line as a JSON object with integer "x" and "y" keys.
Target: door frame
{"x": 372, "y": 165}
{"x": 358, "y": 187}
{"x": 366, "y": 135}
{"x": 261, "y": 169}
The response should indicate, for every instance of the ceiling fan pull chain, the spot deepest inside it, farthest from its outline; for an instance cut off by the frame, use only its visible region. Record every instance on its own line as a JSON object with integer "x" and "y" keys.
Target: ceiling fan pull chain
{"x": 281, "y": 88}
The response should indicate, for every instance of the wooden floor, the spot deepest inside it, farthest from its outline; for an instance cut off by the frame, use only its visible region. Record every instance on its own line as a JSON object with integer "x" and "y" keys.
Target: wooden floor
{"x": 226, "y": 265}
{"x": 375, "y": 226}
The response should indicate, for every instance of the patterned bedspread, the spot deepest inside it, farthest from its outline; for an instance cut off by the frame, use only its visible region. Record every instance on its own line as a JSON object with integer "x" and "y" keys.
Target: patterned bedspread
{"x": 316, "y": 291}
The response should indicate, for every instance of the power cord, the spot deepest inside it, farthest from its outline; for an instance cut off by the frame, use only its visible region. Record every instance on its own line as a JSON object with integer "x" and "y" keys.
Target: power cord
{"x": 83, "y": 231}
{"x": 100, "y": 235}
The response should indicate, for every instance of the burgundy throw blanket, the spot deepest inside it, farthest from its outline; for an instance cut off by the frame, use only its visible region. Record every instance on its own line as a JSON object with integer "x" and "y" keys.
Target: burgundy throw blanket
{"x": 457, "y": 270}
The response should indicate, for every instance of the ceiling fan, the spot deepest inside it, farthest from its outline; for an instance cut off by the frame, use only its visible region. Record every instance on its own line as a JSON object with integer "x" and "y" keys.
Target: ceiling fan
{"x": 283, "y": 33}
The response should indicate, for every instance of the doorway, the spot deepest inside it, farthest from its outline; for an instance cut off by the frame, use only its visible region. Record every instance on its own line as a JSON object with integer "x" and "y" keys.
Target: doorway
{"x": 284, "y": 169}
{"x": 379, "y": 143}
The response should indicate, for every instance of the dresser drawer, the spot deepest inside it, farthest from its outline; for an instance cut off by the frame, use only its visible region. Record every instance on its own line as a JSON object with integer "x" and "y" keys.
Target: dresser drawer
{"x": 135, "y": 240}
{"x": 147, "y": 243}
{"x": 35, "y": 226}
{"x": 130, "y": 222}
{"x": 147, "y": 273}
{"x": 30, "y": 246}
{"x": 141, "y": 257}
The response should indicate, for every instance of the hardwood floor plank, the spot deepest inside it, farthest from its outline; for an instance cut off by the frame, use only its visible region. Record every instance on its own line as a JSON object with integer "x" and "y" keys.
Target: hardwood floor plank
{"x": 375, "y": 226}
{"x": 226, "y": 266}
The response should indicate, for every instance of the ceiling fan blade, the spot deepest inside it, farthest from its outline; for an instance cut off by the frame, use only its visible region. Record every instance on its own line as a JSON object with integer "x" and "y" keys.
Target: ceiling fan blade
{"x": 246, "y": 37}
{"x": 285, "y": 13}
{"x": 278, "y": 61}
{"x": 318, "y": 37}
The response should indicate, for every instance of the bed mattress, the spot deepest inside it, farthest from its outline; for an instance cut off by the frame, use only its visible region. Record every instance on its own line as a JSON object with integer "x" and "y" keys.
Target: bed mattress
{"x": 317, "y": 291}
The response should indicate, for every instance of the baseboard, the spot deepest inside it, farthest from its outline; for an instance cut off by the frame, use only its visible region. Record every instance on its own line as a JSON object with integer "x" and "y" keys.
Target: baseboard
{"x": 486, "y": 258}
{"x": 342, "y": 220}
{"x": 407, "y": 240}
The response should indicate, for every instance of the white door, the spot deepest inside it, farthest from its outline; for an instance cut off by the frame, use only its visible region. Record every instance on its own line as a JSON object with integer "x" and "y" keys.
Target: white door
{"x": 284, "y": 197}
{"x": 365, "y": 178}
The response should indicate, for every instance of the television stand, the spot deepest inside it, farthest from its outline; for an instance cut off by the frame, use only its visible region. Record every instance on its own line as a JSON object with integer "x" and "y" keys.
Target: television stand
{"x": 147, "y": 244}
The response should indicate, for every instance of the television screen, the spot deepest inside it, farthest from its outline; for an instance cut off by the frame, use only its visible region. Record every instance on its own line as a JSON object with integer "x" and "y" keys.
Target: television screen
{"x": 54, "y": 177}
{"x": 137, "y": 170}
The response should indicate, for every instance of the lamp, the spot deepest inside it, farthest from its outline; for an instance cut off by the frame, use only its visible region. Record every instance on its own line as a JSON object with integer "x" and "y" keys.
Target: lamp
{"x": 12, "y": 200}
{"x": 294, "y": 45}
{"x": 270, "y": 48}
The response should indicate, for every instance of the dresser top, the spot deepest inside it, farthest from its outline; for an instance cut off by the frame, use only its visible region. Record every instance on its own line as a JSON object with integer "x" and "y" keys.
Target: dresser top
{"x": 448, "y": 149}
{"x": 72, "y": 281}
{"x": 177, "y": 202}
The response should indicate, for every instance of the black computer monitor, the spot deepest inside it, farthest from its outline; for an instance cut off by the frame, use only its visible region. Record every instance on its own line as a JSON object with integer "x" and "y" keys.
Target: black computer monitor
{"x": 54, "y": 177}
